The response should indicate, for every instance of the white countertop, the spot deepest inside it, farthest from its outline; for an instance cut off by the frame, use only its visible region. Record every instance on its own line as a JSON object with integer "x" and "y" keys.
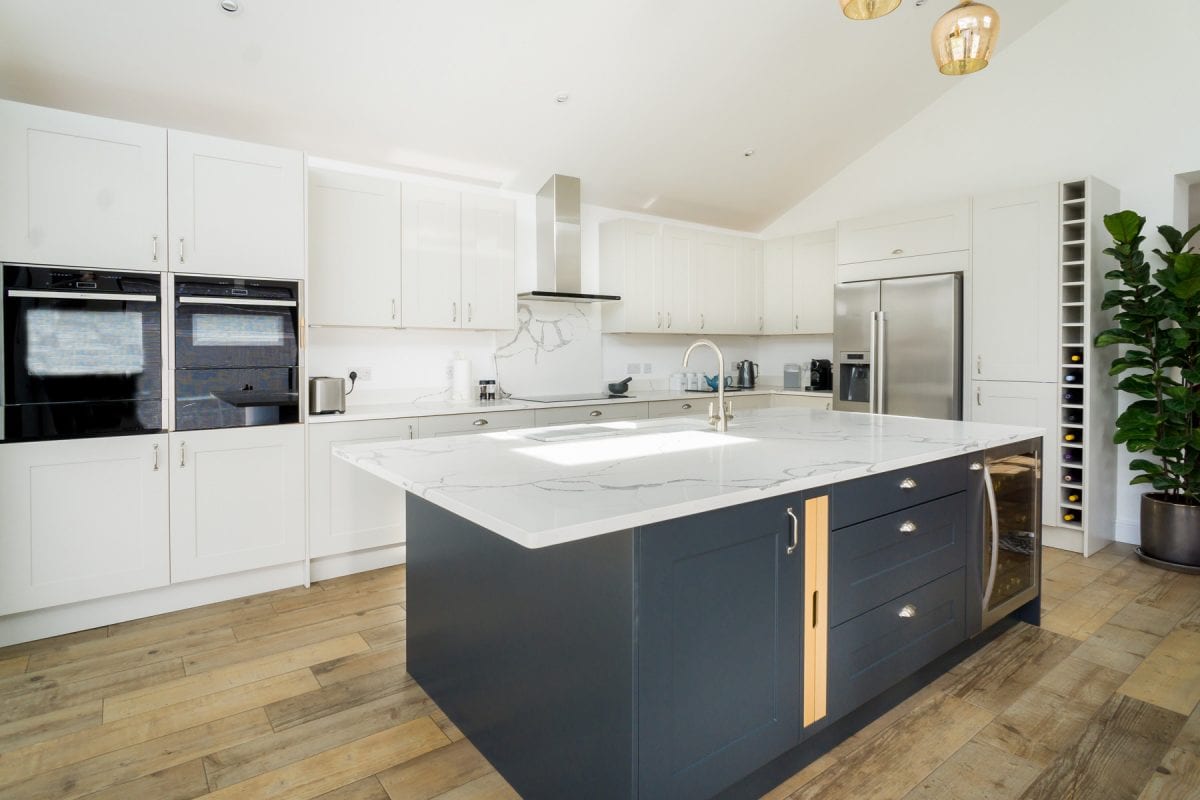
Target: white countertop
{"x": 439, "y": 406}
{"x": 621, "y": 475}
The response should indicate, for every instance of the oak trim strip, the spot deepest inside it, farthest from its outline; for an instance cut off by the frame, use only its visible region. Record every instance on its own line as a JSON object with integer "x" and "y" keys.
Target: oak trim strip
{"x": 816, "y": 608}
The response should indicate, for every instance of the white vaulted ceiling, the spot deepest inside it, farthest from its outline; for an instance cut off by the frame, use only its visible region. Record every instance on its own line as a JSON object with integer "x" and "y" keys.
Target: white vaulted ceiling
{"x": 665, "y": 95}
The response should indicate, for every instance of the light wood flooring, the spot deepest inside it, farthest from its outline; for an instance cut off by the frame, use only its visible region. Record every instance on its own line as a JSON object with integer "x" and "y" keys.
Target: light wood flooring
{"x": 302, "y": 693}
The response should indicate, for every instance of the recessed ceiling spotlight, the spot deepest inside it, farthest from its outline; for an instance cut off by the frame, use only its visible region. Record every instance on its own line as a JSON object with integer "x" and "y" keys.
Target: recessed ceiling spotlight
{"x": 231, "y": 6}
{"x": 562, "y": 97}
{"x": 749, "y": 151}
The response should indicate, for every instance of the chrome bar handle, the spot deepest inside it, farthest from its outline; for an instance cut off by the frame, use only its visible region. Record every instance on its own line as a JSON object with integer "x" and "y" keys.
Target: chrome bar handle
{"x": 470, "y": 312}
{"x": 453, "y": 311}
{"x": 880, "y": 364}
{"x": 668, "y": 319}
{"x": 658, "y": 319}
{"x": 701, "y": 322}
{"x": 154, "y": 248}
{"x": 795, "y": 540}
{"x": 796, "y": 322}
{"x": 180, "y": 249}
{"x": 393, "y": 308}
{"x": 156, "y": 458}
{"x": 183, "y": 454}
{"x": 872, "y": 376}
{"x": 978, "y": 396}
{"x": 760, "y": 324}
{"x": 979, "y": 365}
{"x": 995, "y": 516}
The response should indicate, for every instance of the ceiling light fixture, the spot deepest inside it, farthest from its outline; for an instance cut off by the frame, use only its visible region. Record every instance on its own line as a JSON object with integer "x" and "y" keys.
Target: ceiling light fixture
{"x": 231, "y": 6}
{"x": 749, "y": 151}
{"x": 964, "y": 38}
{"x": 868, "y": 9}
{"x": 562, "y": 97}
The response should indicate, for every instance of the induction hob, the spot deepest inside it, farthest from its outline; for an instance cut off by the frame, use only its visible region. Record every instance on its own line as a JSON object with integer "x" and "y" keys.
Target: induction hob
{"x": 572, "y": 398}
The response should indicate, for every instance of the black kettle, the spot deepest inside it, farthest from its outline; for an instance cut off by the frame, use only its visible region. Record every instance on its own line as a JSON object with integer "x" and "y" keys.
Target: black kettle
{"x": 747, "y": 374}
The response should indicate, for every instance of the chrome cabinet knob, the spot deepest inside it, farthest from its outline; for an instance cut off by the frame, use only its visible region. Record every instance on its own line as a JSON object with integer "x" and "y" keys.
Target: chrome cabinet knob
{"x": 908, "y": 483}
{"x": 909, "y": 611}
{"x": 909, "y": 527}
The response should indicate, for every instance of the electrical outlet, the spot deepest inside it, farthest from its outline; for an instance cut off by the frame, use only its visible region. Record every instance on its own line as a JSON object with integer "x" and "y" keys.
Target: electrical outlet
{"x": 364, "y": 373}
{"x": 633, "y": 369}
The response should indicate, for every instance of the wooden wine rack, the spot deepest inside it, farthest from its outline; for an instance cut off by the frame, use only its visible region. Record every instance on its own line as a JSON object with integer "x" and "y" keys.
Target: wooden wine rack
{"x": 1087, "y": 403}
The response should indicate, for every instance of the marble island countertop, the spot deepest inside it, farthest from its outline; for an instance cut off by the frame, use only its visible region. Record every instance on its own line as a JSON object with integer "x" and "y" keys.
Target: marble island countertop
{"x": 544, "y": 486}
{"x": 439, "y": 405}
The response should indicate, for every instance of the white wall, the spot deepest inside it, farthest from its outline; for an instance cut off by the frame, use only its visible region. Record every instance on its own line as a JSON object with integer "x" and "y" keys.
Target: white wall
{"x": 1100, "y": 87}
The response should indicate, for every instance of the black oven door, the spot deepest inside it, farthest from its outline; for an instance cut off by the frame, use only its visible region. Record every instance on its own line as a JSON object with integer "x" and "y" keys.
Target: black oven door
{"x": 236, "y": 398}
{"x": 80, "y": 362}
{"x": 235, "y": 333}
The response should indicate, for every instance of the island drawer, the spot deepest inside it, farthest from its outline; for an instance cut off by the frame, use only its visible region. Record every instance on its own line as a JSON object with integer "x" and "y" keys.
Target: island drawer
{"x": 877, "y": 650}
{"x": 874, "y": 561}
{"x": 483, "y": 422}
{"x": 866, "y": 498}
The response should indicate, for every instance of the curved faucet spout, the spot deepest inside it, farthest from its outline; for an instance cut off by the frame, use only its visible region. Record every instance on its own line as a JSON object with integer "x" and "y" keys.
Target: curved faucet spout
{"x": 721, "y": 418}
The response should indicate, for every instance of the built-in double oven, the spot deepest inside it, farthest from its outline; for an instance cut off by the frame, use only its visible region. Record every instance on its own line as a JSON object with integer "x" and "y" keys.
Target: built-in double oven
{"x": 237, "y": 355}
{"x": 84, "y": 354}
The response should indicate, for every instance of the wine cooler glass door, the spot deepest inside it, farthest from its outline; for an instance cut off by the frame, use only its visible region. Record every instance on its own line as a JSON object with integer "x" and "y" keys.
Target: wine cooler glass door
{"x": 1011, "y": 546}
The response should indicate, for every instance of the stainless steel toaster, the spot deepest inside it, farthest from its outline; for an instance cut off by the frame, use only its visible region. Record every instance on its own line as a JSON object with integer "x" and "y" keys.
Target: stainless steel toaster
{"x": 326, "y": 395}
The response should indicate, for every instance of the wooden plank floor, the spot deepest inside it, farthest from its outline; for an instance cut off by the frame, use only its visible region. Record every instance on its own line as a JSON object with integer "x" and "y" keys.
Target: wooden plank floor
{"x": 303, "y": 693}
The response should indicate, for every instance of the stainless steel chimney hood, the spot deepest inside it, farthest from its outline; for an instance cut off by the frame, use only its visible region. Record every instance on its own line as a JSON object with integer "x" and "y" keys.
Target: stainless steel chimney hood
{"x": 559, "y": 251}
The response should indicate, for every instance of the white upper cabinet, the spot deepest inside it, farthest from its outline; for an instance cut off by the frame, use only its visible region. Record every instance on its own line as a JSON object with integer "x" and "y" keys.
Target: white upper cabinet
{"x": 777, "y": 287}
{"x": 489, "y": 261}
{"x": 1014, "y": 286}
{"x": 237, "y": 500}
{"x": 354, "y": 250}
{"x": 716, "y": 264}
{"x": 631, "y": 267}
{"x": 681, "y": 297}
{"x": 80, "y": 190}
{"x": 81, "y": 519}
{"x": 923, "y": 231}
{"x": 748, "y": 288}
{"x": 235, "y": 208}
{"x": 813, "y": 265}
{"x": 432, "y": 257}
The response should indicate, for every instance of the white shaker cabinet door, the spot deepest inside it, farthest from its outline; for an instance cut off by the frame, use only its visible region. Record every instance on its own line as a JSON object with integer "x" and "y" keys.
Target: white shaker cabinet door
{"x": 81, "y": 190}
{"x": 351, "y": 509}
{"x": 748, "y": 288}
{"x": 237, "y": 500}
{"x": 432, "y": 234}
{"x": 82, "y": 519}
{"x": 353, "y": 251}
{"x": 777, "y": 287}
{"x": 814, "y": 263}
{"x": 235, "y": 208}
{"x": 716, "y": 272}
{"x": 631, "y": 267}
{"x": 1033, "y": 405}
{"x": 489, "y": 262}
{"x": 1014, "y": 286}
{"x": 681, "y": 280}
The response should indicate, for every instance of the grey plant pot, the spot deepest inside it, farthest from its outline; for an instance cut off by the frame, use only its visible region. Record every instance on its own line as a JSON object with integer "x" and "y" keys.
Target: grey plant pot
{"x": 1170, "y": 531}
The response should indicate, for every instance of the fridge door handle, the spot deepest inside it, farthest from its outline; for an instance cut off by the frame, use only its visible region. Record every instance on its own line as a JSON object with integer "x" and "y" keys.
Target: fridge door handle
{"x": 995, "y": 518}
{"x": 880, "y": 364}
{"x": 872, "y": 375}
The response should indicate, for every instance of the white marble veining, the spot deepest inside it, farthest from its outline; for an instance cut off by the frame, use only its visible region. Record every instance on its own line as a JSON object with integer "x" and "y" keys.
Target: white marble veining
{"x": 544, "y": 486}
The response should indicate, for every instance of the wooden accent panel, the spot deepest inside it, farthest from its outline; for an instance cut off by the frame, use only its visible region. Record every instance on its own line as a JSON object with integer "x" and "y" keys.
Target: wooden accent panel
{"x": 816, "y": 608}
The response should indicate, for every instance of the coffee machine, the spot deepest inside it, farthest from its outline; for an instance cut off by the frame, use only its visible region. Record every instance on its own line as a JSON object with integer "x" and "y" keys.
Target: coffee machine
{"x": 820, "y": 375}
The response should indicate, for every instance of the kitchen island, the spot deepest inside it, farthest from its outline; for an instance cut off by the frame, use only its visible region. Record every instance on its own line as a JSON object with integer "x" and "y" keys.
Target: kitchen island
{"x": 651, "y": 609}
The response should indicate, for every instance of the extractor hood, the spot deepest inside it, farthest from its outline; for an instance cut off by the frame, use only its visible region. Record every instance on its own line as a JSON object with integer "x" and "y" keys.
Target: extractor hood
{"x": 559, "y": 261}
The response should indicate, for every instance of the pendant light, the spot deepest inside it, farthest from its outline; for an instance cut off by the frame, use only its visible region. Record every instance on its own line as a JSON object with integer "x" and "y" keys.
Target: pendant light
{"x": 963, "y": 39}
{"x": 868, "y": 9}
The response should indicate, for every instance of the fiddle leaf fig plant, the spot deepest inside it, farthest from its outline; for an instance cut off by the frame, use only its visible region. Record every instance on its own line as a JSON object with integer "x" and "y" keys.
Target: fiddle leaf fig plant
{"x": 1158, "y": 322}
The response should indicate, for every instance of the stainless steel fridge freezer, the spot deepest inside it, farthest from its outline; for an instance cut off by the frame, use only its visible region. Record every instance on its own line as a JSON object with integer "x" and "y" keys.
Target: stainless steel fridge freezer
{"x": 897, "y": 346}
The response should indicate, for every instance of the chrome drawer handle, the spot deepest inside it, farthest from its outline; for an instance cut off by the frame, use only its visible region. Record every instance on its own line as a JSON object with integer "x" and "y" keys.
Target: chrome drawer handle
{"x": 976, "y": 466}
{"x": 909, "y": 611}
{"x": 795, "y": 540}
{"x": 686, "y": 406}
{"x": 898, "y": 251}
{"x": 909, "y": 527}
{"x": 908, "y": 483}
{"x": 594, "y": 413}
{"x": 183, "y": 454}
{"x": 154, "y": 248}
{"x": 479, "y": 422}
{"x": 156, "y": 458}
{"x": 180, "y": 249}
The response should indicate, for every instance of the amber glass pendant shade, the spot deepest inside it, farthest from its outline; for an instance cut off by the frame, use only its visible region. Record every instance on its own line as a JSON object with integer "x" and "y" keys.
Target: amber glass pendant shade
{"x": 963, "y": 39}
{"x": 868, "y": 9}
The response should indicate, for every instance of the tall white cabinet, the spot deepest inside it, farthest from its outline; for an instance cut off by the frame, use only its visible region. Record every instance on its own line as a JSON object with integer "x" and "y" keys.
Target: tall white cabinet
{"x": 81, "y": 190}
{"x": 237, "y": 499}
{"x": 798, "y": 278}
{"x": 631, "y": 267}
{"x": 81, "y": 519}
{"x": 489, "y": 257}
{"x": 354, "y": 250}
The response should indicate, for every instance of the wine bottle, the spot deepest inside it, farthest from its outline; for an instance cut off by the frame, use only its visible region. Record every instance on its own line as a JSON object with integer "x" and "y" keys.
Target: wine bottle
{"x": 1070, "y": 377}
{"x": 1068, "y": 455}
{"x": 1068, "y": 517}
{"x": 1072, "y": 418}
{"x": 1069, "y": 437}
{"x": 1076, "y": 358}
{"x": 1073, "y": 396}
{"x": 1073, "y": 497}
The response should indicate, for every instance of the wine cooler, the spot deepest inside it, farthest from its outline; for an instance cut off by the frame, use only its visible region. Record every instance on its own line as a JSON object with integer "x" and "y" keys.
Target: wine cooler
{"x": 1010, "y": 553}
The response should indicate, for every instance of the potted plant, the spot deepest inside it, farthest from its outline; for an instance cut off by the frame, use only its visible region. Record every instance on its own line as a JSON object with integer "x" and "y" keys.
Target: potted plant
{"x": 1158, "y": 321}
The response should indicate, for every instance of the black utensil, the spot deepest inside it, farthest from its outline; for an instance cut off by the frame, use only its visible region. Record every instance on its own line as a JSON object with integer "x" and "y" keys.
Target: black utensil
{"x": 620, "y": 387}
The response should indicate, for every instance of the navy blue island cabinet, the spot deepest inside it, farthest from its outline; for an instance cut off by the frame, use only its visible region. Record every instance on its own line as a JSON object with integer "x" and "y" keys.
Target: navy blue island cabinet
{"x": 705, "y": 656}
